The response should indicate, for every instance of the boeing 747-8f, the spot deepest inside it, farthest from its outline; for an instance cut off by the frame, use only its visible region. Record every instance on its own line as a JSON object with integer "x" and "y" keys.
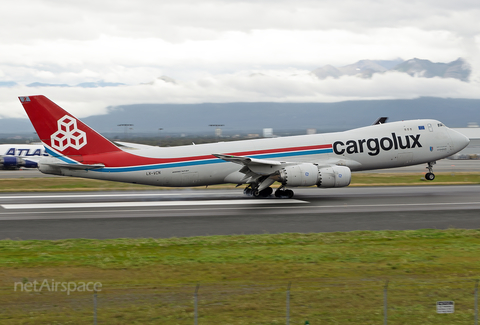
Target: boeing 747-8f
{"x": 324, "y": 160}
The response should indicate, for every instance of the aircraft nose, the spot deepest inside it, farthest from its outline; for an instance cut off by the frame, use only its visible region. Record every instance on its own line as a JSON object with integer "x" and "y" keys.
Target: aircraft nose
{"x": 459, "y": 140}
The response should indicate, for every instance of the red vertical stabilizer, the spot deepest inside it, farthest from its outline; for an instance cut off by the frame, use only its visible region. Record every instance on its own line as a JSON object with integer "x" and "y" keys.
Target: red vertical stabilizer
{"x": 61, "y": 131}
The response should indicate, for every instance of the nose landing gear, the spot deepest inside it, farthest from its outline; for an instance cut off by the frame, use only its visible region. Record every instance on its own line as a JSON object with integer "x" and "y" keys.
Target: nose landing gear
{"x": 430, "y": 176}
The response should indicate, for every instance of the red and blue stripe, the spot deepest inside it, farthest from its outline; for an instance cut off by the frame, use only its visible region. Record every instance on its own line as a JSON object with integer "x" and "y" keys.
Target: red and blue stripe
{"x": 121, "y": 161}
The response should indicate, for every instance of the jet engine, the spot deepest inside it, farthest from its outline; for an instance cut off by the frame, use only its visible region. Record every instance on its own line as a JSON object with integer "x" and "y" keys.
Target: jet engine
{"x": 310, "y": 174}
{"x": 13, "y": 162}
{"x": 335, "y": 176}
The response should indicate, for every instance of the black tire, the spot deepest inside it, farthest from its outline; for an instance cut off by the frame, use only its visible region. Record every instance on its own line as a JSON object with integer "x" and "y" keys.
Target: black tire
{"x": 430, "y": 176}
{"x": 266, "y": 192}
{"x": 289, "y": 193}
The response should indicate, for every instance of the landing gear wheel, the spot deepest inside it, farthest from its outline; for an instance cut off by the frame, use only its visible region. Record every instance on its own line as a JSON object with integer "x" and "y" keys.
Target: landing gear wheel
{"x": 284, "y": 194}
{"x": 266, "y": 192}
{"x": 247, "y": 191}
{"x": 263, "y": 193}
{"x": 289, "y": 194}
{"x": 429, "y": 176}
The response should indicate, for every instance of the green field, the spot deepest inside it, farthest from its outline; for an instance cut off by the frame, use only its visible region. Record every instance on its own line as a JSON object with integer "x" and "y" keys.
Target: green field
{"x": 358, "y": 179}
{"x": 336, "y": 278}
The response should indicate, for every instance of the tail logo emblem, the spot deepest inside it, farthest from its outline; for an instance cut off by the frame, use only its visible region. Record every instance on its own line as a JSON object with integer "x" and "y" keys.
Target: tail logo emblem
{"x": 68, "y": 135}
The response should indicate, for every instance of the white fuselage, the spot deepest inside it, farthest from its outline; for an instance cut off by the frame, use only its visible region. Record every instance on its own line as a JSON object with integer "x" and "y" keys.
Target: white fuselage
{"x": 378, "y": 146}
{"x": 29, "y": 151}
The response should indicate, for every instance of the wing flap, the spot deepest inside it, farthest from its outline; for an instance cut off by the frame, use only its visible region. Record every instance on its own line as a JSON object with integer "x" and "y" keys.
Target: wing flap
{"x": 247, "y": 161}
{"x": 257, "y": 166}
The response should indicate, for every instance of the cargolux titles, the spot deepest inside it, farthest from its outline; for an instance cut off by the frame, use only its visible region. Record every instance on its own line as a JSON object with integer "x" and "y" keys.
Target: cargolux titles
{"x": 374, "y": 145}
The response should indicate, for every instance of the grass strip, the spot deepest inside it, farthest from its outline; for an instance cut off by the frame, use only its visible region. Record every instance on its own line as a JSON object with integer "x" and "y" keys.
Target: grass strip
{"x": 358, "y": 179}
{"x": 336, "y": 278}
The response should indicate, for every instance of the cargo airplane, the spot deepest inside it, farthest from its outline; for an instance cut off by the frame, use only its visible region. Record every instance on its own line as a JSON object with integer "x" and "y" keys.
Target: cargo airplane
{"x": 322, "y": 160}
{"x": 16, "y": 156}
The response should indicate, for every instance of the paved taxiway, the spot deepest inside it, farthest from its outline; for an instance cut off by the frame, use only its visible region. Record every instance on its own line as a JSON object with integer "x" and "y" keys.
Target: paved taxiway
{"x": 180, "y": 213}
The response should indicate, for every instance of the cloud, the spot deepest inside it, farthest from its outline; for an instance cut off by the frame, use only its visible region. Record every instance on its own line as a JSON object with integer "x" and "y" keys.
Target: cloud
{"x": 249, "y": 86}
{"x": 213, "y": 47}
{"x": 134, "y": 61}
{"x": 186, "y": 19}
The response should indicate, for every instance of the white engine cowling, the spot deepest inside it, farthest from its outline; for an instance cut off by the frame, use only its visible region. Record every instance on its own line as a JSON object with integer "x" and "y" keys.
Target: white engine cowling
{"x": 299, "y": 175}
{"x": 336, "y": 176}
{"x": 309, "y": 174}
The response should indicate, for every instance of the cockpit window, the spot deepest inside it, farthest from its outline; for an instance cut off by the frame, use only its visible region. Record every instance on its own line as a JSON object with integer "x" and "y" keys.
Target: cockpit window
{"x": 440, "y": 125}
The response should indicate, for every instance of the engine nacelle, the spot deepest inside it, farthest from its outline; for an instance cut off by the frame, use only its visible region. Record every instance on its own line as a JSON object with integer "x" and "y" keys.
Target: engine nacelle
{"x": 298, "y": 175}
{"x": 310, "y": 174}
{"x": 13, "y": 162}
{"x": 336, "y": 176}
{"x": 30, "y": 164}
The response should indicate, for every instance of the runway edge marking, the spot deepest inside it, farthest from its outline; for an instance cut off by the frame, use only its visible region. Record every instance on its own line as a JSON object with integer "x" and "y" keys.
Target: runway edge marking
{"x": 145, "y": 204}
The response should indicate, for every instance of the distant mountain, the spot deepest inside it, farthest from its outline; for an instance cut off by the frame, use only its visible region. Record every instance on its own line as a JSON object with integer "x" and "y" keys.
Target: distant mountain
{"x": 41, "y": 84}
{"x": 327, "y": 71}
{"x": 253, "y": 117}
{"x": 8, "y": 84}
{"x": 362, "y": 68}
{"x": 243, "y": 118}
{"x": 458, "y": 69}
{"x": 165, "y": 79}
{"x": 97, "y": 84}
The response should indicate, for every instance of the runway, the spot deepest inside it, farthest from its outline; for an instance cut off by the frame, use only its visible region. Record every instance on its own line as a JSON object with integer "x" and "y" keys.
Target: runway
{"x": 442, "y": 166}
{"x": 184, "y": 213}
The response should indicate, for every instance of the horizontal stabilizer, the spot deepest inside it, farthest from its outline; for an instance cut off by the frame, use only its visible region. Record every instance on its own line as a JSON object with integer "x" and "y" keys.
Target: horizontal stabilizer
{"x": 76, "y": 166}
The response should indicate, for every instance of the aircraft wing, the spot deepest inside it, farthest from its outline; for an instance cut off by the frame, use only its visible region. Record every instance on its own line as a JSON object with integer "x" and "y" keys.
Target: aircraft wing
{"x": 254, "y": 169}
{"x": 247, "y": 161}
{"x": 326, "y": 173}
{"x": 256, "y": 164}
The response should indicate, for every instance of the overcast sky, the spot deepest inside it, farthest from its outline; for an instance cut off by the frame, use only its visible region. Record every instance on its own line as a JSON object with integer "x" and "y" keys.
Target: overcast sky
{"x": 212, "y": 49}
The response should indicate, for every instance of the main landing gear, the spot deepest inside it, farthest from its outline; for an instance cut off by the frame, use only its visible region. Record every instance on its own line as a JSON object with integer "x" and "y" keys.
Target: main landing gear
{"x": 430, "y": 176}
{"x": 256, "y": 193}
{"x": 279, "y": 193}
